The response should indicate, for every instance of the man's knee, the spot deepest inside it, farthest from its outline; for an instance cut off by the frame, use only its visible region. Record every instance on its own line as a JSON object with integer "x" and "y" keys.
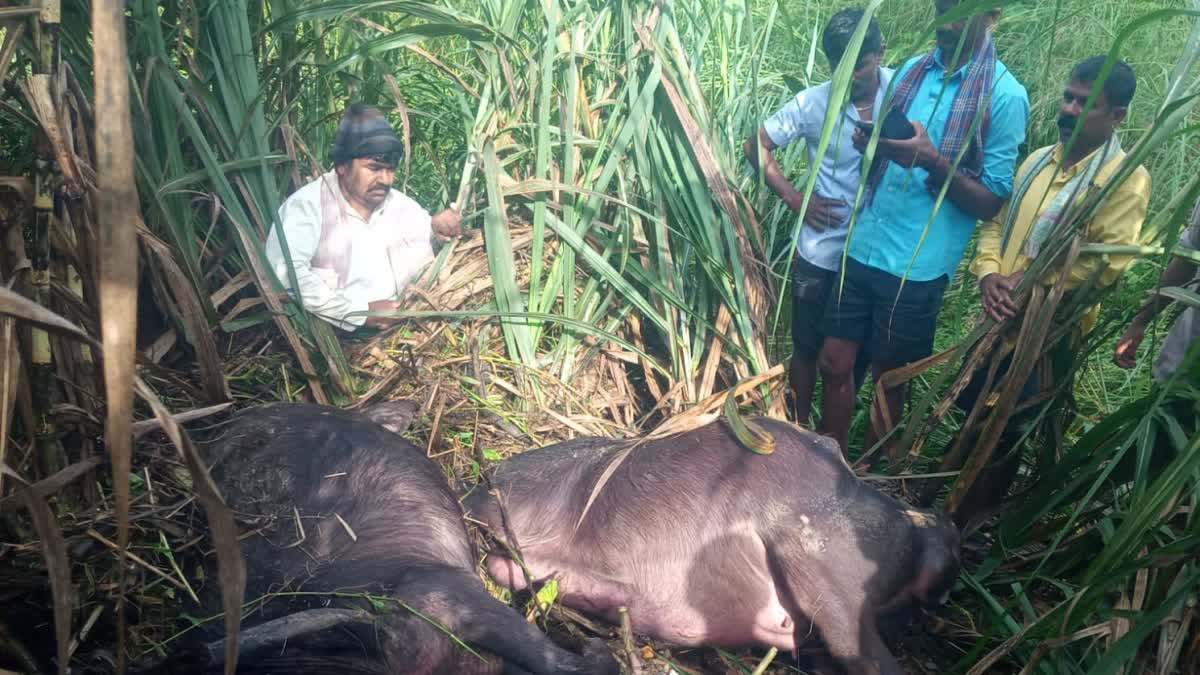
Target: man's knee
{"x": 802, "y": 365}
{"x": 837, "y": 360}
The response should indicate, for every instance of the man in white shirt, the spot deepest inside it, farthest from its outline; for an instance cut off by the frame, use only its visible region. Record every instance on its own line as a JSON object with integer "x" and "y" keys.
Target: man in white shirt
{"x": 825, "y": 223}
{"x": 353, "y": 240}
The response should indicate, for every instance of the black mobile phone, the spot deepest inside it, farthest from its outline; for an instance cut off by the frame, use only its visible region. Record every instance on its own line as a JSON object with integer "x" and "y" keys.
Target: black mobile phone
{"x": 896, "y": 126}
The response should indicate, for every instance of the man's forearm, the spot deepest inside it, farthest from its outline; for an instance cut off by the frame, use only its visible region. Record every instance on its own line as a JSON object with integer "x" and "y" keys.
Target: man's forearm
{"x": 779, "y": 183}
{"x": 762, "y": 159}
{"x": 1178, "y": 272}
{"x": 966, "y": 193}
{"x": 318, "y": 297}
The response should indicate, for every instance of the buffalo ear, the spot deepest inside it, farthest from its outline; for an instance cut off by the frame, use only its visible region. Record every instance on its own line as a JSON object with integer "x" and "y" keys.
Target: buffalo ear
{"x": 395, "y": 416}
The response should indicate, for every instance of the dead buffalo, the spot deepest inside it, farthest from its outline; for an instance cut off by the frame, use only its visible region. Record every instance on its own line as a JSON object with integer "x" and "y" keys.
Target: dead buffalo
{"x": 340, "y": 504}
{"x": 707, "y": 543}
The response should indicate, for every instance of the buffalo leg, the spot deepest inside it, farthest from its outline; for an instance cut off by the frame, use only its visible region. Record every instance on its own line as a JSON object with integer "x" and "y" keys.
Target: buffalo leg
{"x": 414, "y": 645}
{"x": 279, "y": 631}
{"x": 594, "y": 594}
{"x": 458, "y": 601}
{"x": 842, "y": 615}
{"x": 852, "y": 639}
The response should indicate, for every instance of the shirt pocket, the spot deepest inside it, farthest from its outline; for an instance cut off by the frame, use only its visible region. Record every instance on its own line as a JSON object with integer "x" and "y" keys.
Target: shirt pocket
{"x": 933, "y": 118}
{"x": 937, "y": 124}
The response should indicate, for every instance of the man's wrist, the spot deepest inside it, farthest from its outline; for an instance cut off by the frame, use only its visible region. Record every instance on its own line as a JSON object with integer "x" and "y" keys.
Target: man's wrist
{"x": 934, "y": 164}
{"x": 793, "y": 197}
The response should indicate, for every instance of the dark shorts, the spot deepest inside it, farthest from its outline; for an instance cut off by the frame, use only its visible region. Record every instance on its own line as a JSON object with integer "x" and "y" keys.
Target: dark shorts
{"x": 810, "y": 290}
{"x": 1018, "y": 422}
{"x": 1048, "y": 372}
{"x": 895, "y": 331}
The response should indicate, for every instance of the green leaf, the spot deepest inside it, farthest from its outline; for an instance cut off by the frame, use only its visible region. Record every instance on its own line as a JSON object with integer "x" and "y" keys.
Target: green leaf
{"x": 502, "y": 264}
{"x": 548, "y": 593}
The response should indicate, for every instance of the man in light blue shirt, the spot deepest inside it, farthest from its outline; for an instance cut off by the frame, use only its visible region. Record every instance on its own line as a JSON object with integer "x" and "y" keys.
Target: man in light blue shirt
{"x": 963, "y": 103}
{"x": 823, "y": 226}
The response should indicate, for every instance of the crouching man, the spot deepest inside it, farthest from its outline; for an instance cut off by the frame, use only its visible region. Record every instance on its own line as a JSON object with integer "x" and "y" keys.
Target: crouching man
{"x": 353, "y": 240}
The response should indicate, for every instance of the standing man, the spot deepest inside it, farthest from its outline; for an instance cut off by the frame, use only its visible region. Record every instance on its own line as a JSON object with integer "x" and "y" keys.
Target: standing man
{"x": 353, "y": 240}
{"x": 1172, "y": 356}
{"x": 823, "y": 229}
{"x": 1049, "y": 182}
{"x": 1186, "y": 329}
{"x": 902, "y": 252}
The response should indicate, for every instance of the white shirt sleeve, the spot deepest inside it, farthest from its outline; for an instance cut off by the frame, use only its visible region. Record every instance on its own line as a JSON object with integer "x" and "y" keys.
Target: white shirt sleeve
{"x": 301, "y": 220}
{"x": 791, "y": 121}
{"x": 412, "y": 248}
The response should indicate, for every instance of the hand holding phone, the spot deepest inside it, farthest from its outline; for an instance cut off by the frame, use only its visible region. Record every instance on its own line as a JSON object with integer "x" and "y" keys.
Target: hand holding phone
{"x": 896, "y": 126}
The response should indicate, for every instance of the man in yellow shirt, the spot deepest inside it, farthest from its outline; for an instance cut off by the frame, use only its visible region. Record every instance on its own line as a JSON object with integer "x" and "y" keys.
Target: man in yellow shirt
{"x": 1049, "y": 181}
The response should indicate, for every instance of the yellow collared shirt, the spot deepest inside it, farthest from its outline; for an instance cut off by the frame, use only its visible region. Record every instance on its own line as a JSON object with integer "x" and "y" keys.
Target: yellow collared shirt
{"x": 1118, "y": 221}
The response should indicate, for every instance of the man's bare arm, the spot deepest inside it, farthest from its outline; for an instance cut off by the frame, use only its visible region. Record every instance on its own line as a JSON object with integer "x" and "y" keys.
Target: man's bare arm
{"x": 822, "y": 211}
{"x": 966, "y": 193}
{"x": 772, "y": 173}
{"x": 1177, "y": 273}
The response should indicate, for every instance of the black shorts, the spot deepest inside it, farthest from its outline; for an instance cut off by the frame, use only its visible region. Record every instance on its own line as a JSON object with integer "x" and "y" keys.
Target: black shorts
{"x": 895, "y": 331}
{"x": 1057, "y": 372}
{"x": 1020, "y": 421}
{"x": 810, "y": 290}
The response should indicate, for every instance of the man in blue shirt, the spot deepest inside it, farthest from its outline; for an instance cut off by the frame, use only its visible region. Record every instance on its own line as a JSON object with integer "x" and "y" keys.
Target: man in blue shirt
{"x": 967, "y": 108}
{"x": 823, "y": 225}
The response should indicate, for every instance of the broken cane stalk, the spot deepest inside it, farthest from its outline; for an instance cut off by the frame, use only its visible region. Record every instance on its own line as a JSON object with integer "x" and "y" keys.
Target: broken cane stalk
{"x": 762, "y": 665}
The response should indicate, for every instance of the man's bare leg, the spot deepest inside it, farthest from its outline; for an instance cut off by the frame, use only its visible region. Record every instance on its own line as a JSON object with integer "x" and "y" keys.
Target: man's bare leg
{"x": 894, "y": 404}
{"x": 837, "y": 377}
{"x": 803, "y": 377}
